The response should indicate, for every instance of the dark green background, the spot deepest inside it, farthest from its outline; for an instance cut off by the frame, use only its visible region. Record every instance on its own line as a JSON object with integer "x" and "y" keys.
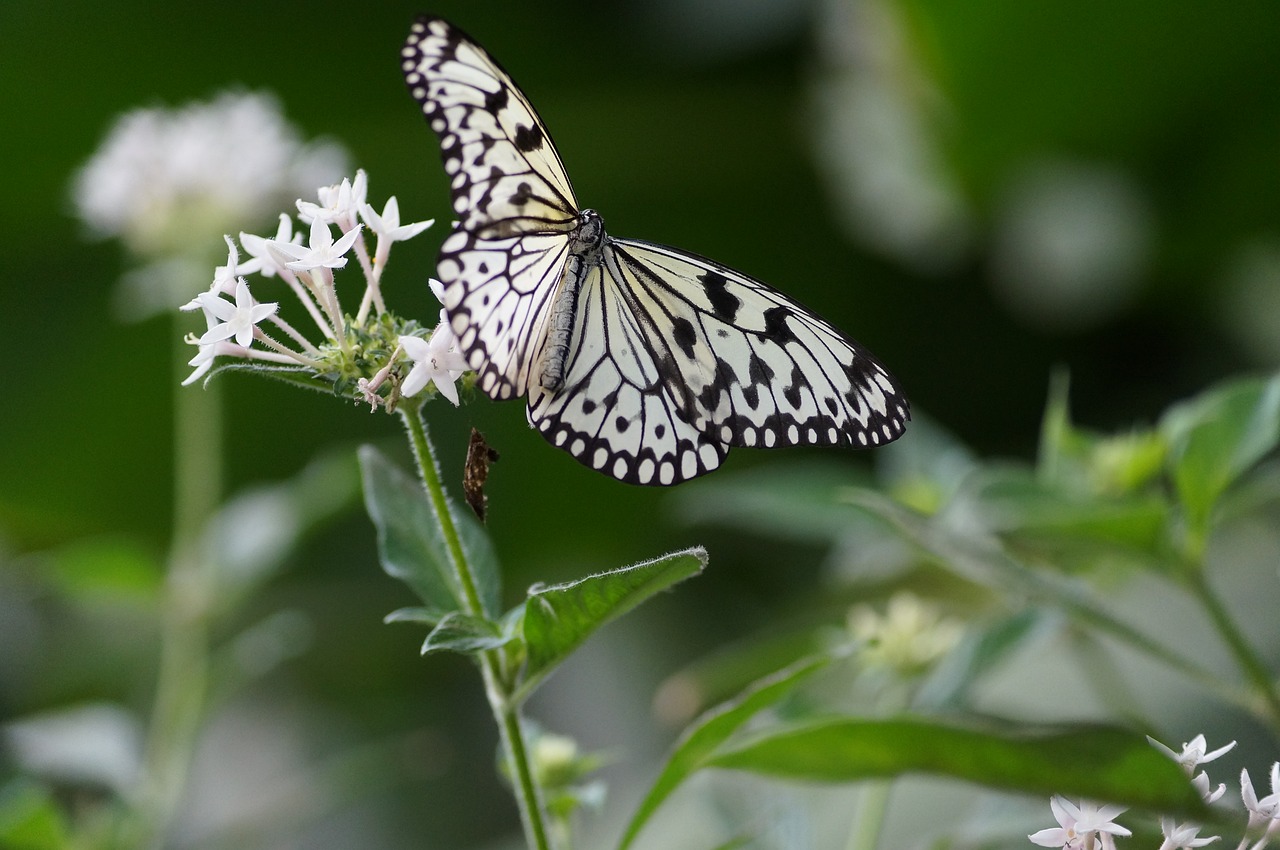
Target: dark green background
{"x": 677, "y": 135}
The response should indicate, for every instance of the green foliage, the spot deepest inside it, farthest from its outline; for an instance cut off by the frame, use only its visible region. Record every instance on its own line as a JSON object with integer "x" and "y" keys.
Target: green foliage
{"x": 1101, "y": 763}
{"x": 539, "y": 633}
{"x": 29, "y": 818}
{"x": 411, "y": 545}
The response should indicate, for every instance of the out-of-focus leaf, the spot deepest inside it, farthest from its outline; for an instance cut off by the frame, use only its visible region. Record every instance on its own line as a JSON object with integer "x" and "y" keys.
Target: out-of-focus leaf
{"x": 978, "y": 652}
{"x": 1012, "y": 501}
{"x": 418, "y": 614}
{"x": 795, "y": 503}
{"x": 463, "y": 633}
{"x": 729, "y": 670}
{"x": 411, "y": 545}
{"x": 1216, "y": 437}
{"x": 1099, "y": 763}
{"x": 559, "y": 618}
{"x": 99, "y": 569}
{"x": 29, "y": 818}
{"x": 700, "y": 741}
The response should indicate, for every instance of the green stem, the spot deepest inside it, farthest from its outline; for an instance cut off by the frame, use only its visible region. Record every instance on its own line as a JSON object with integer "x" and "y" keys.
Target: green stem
{"x": 505, "y": 711}
{"x": 182, "y": 678}
{"x": 873, "y": 802}
{"x": 1254, "y": 669}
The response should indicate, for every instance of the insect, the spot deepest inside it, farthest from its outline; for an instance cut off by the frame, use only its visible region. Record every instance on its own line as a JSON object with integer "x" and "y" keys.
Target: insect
{"x": 642, "y": 361}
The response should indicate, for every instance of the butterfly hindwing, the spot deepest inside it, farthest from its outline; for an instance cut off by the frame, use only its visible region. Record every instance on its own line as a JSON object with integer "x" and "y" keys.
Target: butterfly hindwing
{"x": 754, "y": 366}
{"x": 615, "y": 411}
{"x": 701, "y": 358}
{"x": 498, "y": 299}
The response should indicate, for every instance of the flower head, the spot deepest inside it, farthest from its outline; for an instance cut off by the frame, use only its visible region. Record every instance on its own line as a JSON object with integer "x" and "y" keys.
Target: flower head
{"x": 434, "y": 361}
{"x": 1078, "y": 825}
{"x": 237, "y": 320}
{"x": 909, "y": 637}
{"x": 1182, "y": 836}
{"x": 1193, "y": 752}
{"x": 1261, "y": 811}
{"x": 163, "y": 177}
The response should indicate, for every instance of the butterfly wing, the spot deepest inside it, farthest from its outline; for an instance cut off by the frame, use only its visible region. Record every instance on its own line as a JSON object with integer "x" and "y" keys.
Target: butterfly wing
{"x": 677, "y": 358}
{"x": 515, "y": 206}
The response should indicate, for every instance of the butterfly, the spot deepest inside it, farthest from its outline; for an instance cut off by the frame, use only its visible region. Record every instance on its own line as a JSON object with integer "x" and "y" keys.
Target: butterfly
{"x": 644, "y": 362}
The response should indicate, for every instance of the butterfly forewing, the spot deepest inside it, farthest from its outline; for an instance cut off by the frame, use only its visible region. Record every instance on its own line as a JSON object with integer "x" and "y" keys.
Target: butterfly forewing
{"x": 505, "y": 175}
{"x": 671, "y": 358}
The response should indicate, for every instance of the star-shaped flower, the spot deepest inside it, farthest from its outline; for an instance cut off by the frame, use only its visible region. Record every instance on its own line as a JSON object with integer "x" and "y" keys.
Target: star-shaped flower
{"x": 1077, "y": 823}
{"x": 434, "y": 361}
{"x": 321, "y": 251}
{"x": 237, "y": 320}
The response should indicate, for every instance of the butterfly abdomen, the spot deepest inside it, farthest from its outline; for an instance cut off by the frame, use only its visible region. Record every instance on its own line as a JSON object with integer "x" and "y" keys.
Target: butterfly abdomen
{"x": 584, "y": 253}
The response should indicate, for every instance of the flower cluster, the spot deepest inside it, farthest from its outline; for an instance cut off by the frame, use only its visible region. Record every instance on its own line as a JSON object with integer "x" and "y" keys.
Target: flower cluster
{"x": 360, "y": 352}
{"x": 1086, "y": 826}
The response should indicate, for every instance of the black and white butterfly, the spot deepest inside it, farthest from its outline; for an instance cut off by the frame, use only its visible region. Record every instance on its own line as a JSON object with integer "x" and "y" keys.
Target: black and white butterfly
{"x": 642, "y": 361}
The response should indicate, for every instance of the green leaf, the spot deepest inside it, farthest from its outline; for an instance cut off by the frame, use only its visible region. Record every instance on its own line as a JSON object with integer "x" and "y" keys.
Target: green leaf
{"x": 1100, "y": 763}
{"x": 29, "y": 818}
{"x": 411, "y": 544}
{"x": 463, "y": 633}
{"x": 699, "y": 742}
{"x": 1215, "y": 438}
{"x": 559, "y": 618}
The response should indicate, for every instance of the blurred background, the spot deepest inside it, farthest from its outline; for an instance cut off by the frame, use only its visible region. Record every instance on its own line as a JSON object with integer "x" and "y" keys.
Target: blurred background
{"x": 978, "y": 192}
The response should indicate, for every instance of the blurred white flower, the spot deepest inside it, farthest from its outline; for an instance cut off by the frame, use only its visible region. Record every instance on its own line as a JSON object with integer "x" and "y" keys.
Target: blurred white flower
{"x": 1071, "y": 243}
{"x": 166, "y": 179}
{"x": 169, "y": 182}
{"x": 908, "y": 638}
{"x": 877, "y": 119}
{"x": 98, "y": 743}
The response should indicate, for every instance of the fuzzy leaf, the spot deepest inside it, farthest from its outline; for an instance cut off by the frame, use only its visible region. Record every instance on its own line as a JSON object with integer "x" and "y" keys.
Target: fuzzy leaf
{"x": 466, "y": 634}
{"x": 557, "y": 619}
{"x": 411, "y": 545}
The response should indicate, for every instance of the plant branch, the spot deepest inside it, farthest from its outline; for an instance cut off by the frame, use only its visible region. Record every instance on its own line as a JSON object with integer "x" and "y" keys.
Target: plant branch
{"x": 505, "y": 711}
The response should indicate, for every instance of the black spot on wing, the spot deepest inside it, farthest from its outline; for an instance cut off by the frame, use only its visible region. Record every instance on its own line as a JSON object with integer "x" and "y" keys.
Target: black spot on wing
{"x": 759, "y": 371}
{"x": 723, "y": 303}
{"x": 529, "y": 139}
{"x": 496, "y": 101}
{"x": 684, "y": 335}
{"x": 775, "y": 325}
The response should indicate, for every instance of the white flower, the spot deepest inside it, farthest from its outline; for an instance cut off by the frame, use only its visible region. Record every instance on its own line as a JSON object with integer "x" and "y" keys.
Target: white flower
{"x": 238, "y": 320}
{"x": 437, "y": 289}
{"x": 321, "y": 251}
{"x": 389, "y": 228}
{"x": 338, "y": 204}
{"x": 434, "y": 361}
{"x": 1193, "y": 752}
{"x": 1201, "y": 784}
{"x": 909, "y": 637}
{"x": 258, "y": 247}
{"x": 1266, "y": 809}
{"x": 1077, "y": 824}
{"x": 1182, "y": 836}
{"x": 167, "y": 179}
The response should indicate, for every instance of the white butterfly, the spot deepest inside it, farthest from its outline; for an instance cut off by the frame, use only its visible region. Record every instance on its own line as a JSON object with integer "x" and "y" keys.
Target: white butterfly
{"x": 644, "y": 362}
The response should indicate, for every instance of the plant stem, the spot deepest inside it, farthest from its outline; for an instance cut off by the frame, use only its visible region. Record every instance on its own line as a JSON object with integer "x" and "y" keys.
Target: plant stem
{"x": 1252, "y": 666}
{"x": 505, "y": 711}
{"x": 182, "y": 682}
